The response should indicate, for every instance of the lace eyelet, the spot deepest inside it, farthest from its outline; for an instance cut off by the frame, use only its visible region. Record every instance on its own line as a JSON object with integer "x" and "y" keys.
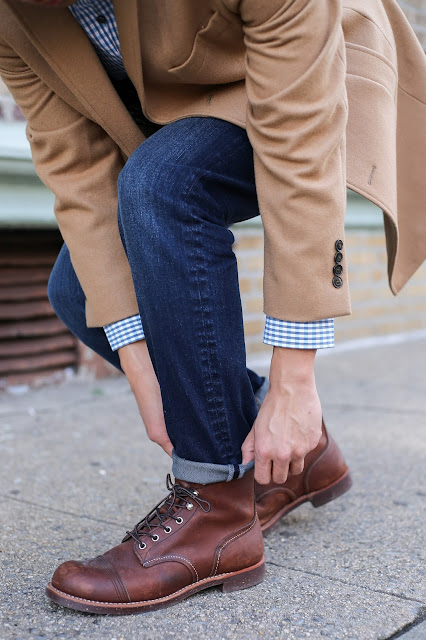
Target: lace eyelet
{"x": 142, "y": 545}
{"x": 179, "y": 520}
{"x": 195, "y": 492}
{"x": 154, "y": 538}
{"x": 189, "y": 506}
{"x": 168, "y": 529}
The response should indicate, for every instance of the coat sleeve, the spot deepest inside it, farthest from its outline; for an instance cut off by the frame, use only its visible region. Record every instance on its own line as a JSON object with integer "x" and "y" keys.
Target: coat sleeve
{"x": 296, "y": 120}
{"x": 80, "y": 164}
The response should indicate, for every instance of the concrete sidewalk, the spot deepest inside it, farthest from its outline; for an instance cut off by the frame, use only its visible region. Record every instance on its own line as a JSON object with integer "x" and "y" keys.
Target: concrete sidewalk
{"x": 77, "y": 470}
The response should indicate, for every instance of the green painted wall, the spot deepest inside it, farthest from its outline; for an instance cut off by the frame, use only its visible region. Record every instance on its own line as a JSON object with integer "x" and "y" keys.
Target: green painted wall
{"x": 25, "y": 201}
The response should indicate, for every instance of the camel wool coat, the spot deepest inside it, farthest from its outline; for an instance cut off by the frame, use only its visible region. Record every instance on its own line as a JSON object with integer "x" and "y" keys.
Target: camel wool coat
{"x": 331, "y": 93}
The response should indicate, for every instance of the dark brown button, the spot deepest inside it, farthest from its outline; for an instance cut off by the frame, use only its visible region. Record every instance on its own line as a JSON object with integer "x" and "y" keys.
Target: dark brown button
{"x": 337, "y": 269}
{"x": 337, "y": 282}
{"x": 338, "y": 257}
{"x": 339, "y": 245}
{"x": 101, "y": 19}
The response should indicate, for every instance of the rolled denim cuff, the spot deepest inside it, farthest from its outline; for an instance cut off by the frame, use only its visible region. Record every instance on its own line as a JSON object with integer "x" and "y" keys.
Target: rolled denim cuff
{"x": 206, "y": 472}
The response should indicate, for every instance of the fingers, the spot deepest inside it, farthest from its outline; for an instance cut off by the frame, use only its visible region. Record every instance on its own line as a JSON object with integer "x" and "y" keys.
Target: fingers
{"x": 167, "y": 447}
{"x": 262, "y": 471}
{"x": 296, "y": 466}
{"x": 276, "y": 467}
{"x": 158, "y": 434}
{"x": 247, "y": 448}
{"x": 280, "y": 472}
{"x": 277, "y": 470}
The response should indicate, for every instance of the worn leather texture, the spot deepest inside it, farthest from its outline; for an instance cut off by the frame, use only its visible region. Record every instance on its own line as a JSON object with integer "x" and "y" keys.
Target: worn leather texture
{"x": 224, "y": 539}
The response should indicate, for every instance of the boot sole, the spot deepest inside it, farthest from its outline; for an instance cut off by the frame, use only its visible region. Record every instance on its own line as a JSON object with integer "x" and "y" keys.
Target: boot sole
{"x": 317, "y": 498}
{"x": 227, "y": 581}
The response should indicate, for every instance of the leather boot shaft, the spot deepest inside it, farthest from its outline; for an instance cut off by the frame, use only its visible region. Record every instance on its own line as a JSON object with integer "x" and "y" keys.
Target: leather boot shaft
{"x": 325, "y": 476}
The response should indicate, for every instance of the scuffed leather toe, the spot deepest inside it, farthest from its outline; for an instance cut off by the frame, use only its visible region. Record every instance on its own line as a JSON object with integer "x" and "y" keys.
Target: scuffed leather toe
{"x": 93, "y": 580}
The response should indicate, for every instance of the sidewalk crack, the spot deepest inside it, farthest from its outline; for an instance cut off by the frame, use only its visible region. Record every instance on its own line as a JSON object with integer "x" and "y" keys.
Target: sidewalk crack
{"x": 62, "y": 511}
{"x": 400, "y": 633}
{"x": 373, "y": 408}
{"x": 347, "y": 583}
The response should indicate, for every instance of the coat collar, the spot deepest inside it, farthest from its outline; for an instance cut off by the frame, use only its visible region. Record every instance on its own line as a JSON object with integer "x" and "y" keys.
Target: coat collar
{"x": 66, "y": 48}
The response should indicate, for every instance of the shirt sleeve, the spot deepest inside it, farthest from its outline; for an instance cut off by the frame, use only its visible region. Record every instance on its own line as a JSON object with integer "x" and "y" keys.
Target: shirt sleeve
{"x": 299, "y": 335}
{"x": 280, "y": 333}
{"x": 124, "y": 332}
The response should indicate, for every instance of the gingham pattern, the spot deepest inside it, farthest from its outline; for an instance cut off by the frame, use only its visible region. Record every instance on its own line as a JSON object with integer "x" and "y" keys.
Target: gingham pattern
{"x": 299, "y": 335}
{"x": 103, "y": 36}
{"x": 124, "y": 332}
{"x": 280, "y": 333}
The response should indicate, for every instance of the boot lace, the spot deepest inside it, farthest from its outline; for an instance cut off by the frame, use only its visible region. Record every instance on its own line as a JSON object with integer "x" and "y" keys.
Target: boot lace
{"x": 166, "y": 509}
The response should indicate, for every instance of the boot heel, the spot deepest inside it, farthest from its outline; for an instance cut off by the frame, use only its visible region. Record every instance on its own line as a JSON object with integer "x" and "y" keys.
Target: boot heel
{"x": 335, "y": 490}
{"x": 244, "y": 579}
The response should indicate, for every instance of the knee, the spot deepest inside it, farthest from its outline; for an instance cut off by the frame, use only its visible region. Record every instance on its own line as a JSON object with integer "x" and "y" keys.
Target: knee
{"x": 137, "y": 177}
{"x": 149, "y": 185}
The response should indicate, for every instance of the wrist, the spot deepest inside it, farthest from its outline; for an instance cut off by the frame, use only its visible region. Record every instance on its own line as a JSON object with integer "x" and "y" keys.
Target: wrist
{"x": 291, "y": 365}
{"x": 133, "y": 357}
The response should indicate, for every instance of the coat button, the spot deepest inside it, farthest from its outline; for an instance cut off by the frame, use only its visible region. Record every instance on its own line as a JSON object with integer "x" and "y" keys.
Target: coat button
{"x": 339, "y": 245}
{"x": 337, "y": 282}
{"x": 338, "y": 257}
{"x": 337, "y": 269}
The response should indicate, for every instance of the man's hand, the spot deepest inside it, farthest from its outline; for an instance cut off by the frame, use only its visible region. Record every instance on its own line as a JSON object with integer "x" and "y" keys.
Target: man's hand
{"x": 136, "y": 364}
{"x": 288, "y": 425}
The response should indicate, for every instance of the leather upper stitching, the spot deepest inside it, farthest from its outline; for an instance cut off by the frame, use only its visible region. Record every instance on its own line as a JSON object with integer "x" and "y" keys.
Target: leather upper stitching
{"x": 171, "y": 557}
{"x": 230, "y": 540}
{"x": 119, "y": 585}
{"x": 284, "y": 490}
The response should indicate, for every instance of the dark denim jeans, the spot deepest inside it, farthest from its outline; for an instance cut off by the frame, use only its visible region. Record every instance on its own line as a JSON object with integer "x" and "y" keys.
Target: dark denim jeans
{"x": 178, "y": 193}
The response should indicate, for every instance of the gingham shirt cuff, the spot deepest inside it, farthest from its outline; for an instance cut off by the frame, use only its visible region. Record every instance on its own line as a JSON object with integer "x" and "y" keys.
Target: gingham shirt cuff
{"x": 124, "y": 332}
{"x": 299, "y": 335}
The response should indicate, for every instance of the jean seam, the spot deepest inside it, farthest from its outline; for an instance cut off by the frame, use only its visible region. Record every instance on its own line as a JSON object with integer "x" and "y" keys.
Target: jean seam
{"x": 221, "y": 433}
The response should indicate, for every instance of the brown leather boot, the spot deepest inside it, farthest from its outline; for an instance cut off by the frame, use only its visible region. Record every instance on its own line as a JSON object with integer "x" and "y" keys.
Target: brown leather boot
{"x": 199, "y": 536}
{"x": 325, "y": 477}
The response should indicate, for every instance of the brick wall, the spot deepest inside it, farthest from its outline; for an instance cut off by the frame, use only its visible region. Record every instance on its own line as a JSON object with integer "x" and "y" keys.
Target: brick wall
{"x": 375, "y": 310}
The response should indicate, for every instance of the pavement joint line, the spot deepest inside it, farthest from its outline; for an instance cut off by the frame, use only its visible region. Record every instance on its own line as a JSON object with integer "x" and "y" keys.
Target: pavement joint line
{"x": 8, "y": 413}
{"x": 374, "y": 408}
{"x": 421, "y": 615}
{"x": 354, "y": 584}
{"x": 376, "y": 341}
{"x": 359, "y": 344}
{"x": 400, "y": 633}
{"x": 62, "y": 511}
{"x": 352, "y": 407}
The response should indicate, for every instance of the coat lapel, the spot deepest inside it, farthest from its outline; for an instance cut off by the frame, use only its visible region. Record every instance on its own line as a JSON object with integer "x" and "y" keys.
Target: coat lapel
{"x": 66, "y": 48}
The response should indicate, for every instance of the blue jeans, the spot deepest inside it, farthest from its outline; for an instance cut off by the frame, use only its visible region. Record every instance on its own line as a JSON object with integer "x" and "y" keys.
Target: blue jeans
{"x": 177, "y": 195}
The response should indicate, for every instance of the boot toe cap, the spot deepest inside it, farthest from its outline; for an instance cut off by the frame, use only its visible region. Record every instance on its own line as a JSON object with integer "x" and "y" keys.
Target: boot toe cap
{"x": 89, "y": 581}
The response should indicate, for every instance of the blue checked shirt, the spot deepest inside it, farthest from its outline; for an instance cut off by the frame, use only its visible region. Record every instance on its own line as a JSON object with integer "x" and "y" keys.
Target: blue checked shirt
{"x": 97, "y": 18}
